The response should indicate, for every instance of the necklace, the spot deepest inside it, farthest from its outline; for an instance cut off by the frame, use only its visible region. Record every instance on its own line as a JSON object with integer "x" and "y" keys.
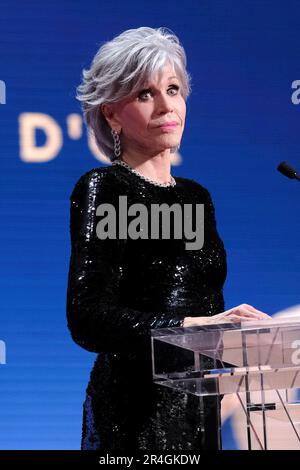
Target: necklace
{"x": 156, "y": 183}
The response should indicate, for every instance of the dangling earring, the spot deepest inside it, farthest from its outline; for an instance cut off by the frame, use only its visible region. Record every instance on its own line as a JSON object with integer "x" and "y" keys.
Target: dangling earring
{"x": 117, "y": 143}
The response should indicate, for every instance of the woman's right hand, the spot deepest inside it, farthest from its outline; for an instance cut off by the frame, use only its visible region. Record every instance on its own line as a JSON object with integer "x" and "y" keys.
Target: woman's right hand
{"x": 233, "y": 315}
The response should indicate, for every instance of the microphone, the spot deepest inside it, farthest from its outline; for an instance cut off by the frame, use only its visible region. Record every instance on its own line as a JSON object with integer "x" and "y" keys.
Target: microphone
{"x": 288, "y": 170}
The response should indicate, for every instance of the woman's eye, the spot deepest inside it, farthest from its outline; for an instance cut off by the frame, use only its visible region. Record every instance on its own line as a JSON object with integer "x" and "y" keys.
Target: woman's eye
{"x": 145, "y": 92}
{"x": 174, "y": 87}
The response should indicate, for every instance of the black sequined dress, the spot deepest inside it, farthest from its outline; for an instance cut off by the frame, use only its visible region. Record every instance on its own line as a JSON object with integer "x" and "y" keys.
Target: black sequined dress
{"x": 119, "y": 289}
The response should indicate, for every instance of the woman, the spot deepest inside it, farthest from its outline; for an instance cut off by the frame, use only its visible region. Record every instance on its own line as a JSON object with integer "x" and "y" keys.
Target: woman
{"x": 134, "y": 102}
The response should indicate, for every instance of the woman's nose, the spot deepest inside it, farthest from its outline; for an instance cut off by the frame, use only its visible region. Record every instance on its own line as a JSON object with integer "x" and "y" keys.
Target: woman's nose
{"x": 164, "y": 104}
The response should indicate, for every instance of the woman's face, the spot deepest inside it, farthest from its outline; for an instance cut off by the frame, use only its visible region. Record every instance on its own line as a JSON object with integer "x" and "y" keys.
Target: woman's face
{"x": 140, "y": 117}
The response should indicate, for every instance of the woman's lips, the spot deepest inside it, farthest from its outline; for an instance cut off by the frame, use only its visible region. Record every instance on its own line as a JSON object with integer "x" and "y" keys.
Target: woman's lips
{"x": 168, "y": 126}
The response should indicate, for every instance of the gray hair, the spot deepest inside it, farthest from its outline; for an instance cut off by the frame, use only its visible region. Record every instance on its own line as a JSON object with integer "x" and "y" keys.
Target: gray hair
{"x": 120, "y": 68}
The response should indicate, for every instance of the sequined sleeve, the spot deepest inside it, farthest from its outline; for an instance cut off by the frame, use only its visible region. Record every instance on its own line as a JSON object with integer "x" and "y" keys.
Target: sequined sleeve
{"x": 96, "y": 319}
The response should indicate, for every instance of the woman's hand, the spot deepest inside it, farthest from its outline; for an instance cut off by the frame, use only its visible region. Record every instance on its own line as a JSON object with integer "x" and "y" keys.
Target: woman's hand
{"x": 233, "y": 315}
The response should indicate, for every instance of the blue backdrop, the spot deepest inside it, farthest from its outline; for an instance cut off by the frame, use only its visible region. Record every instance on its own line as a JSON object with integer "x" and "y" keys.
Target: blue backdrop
{"x": 242, "y": 120}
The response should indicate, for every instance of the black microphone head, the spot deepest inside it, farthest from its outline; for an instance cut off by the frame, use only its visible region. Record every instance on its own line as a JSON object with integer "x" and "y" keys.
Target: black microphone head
{"x": 287, "y": 170}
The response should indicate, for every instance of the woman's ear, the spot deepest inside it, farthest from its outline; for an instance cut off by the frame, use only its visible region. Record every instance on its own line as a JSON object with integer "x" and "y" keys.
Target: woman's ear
{"x": 108, "y": 112}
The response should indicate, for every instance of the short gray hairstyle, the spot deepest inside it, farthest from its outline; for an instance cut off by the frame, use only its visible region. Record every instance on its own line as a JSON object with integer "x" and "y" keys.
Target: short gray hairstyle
{"x": 120, "y": 68}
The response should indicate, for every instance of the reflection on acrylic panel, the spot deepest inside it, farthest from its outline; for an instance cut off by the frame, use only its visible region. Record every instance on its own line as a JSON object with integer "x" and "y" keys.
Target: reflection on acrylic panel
{"x": 281, "y": 432}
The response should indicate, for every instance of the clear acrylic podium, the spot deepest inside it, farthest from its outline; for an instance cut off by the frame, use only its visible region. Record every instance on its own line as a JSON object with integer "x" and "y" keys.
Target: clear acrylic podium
{"x": 257, "y": 361}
